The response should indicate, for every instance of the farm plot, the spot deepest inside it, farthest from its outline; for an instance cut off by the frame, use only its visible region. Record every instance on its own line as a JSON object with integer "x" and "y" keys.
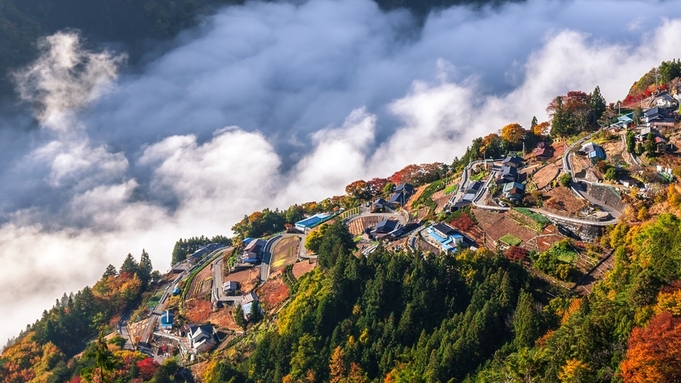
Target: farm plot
{"x": 498, "y": 225}
{"x": 304, "y": 267}
{"x": 273, "y": 293}
{"x": 417, "y": 193}
{"x": 247, "y": 278}
{"x": 545, "y": 175}
{"x": 201, "y": 285}
{"x": 285, "y": 253}
{"x": 561, "y": 200}
{"x": 440, "y": 198}
{"x": 358, "y": 226}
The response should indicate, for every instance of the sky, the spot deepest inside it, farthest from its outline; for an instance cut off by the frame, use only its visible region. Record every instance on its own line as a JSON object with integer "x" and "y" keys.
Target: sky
{"x": 269, "y": 104}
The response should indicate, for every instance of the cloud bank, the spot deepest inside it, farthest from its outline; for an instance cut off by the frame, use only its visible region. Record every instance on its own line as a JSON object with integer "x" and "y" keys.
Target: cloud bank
{"x": 269, "y": 104}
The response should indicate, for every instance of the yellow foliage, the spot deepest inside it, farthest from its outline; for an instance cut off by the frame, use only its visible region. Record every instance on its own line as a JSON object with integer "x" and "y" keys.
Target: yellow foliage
{"x": 670, "y": 302}
{"x": 312, "y": 288}
{"x": 571, "y": 371}
{"x": 364, "y": 336}
{"x": 574, "y": 306}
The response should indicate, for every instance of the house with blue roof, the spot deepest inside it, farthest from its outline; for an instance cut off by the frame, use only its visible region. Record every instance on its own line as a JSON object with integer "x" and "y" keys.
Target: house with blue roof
{"x": 513, "y": 191}
{"x": 449, "y": 238}
{"x": 594, "y": 151}
{"x": 310, "y": 222}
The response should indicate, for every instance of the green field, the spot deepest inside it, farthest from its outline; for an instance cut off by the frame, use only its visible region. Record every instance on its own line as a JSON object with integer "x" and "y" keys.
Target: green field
{"x": 511, "y": 239}
{"x": 451, "y": 189}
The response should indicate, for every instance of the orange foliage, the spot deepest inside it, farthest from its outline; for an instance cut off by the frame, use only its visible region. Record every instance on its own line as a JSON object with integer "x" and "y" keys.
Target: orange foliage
{"x": 513, "y": 133}
{"x": 654, "y": 353}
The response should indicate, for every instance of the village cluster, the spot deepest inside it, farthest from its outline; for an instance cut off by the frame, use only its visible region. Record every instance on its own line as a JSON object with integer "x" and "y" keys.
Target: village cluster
{"x": 521, "y": 204}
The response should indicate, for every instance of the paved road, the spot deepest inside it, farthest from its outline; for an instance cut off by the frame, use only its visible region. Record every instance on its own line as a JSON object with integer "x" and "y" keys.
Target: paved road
{"x": 158, "y": 310}
{"x": 123, "y": 331}
{"x": 267, "y": 258}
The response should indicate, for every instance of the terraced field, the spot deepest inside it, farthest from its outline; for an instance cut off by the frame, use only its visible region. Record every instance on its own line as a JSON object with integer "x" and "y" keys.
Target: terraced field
{"x": 497, "y": 225}
{"x": 285, "y": 252}
{"x": 358, "y": 226}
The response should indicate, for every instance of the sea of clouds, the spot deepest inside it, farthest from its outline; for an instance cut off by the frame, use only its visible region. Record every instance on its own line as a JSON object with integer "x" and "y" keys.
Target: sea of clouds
{"x": 269, "y": 104}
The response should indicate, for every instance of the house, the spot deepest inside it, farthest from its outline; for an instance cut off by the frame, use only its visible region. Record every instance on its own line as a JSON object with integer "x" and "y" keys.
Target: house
{"x": 401, "y": 195}
{"x": 247, "y": 304}
{"x": 446, "y": 236}
{"x": 508, "y": 174}
{"x": 167, "y": 320}
{"x": 543, "y": 151}
{"x": 230, "y": 287}
{"x": 311, "y": 222}
{"x": 665, "y": 100}
{"x": 594, "y": 151}
{"x": 201, "y": 338}
{"x": 658, "y": 117}
{"x": 379, "y": 205}
{"x": 513, "y": 161}
{"x": 384, "y": 228}
{"x": 200, "y": 253}
{"x": 513, "y": 191}
{"x": 253, "y": 251}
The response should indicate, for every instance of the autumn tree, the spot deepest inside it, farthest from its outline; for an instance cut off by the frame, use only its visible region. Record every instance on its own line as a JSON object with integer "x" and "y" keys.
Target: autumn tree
{"x": 513, "y": 133}
{"x": 654, "y": 353}
{"x": 542, "y": 129}
{"x": 337, "y": 366}
{"x": 359, "y": 190}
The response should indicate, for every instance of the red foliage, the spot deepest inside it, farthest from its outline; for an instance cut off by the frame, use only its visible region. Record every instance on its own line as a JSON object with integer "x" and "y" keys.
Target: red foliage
{"x": 515, "y": 253}
{"x": 76, "y": 379}
{"x": 654, "y": 353}
{"x": 463, "y": 223}
{"x": 418, "y": 174}
{"x": 147, "y": 368}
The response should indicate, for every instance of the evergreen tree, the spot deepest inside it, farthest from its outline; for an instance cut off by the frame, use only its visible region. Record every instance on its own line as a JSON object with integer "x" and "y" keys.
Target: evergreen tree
{"x": 129, "y": 265}
{"x": 526, "y": 322}
{"x": 145, "y": 268}
{"x": 239, "y": 316}
{"x": 256, "y": 312}
{"x": 597, "y": 105}
{"x": 110, "y": 271}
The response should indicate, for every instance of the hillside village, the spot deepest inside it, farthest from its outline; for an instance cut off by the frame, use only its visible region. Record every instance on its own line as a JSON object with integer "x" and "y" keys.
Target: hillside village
{"x": 543, "y": 200}
{"x": 556, "y": 198}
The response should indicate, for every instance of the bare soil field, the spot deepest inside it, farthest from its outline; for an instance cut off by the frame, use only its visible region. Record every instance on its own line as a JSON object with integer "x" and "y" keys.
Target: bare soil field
{"x": 561, "y": 200}
{"x": 358, "y": 226}
{"x": 273, "y": 293}
{"x": 545, "y": 175}
{"x": 303, "y": 267}
{"x": 285, "y": 253}
{"x": 417, "y": 193}
{"x": 613, "y": 152}
{"x": 198, "y": 310}
{"x": 496, "y": 225}
{"x": 202, "y": 283}
{"x": 421, "y": 214}
{"x": 246, "y": 278}
{"x": 440, "y": 199}
{"x": 224, "y": 318}
{"x": 425, "y": 246}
